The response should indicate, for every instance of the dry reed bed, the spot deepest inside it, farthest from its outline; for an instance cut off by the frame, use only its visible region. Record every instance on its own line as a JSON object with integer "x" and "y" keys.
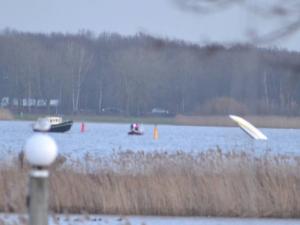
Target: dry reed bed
{"x": 205, "y": 184}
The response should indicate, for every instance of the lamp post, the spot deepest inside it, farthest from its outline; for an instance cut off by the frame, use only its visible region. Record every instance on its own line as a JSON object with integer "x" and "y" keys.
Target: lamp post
{"x": 40, "y": 151}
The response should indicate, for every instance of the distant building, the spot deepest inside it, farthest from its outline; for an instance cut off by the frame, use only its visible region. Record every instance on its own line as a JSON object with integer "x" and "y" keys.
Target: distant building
{"x": 54, "y": 102}
{"x": 28, "y": 102}
{"x": 4, "y": 102}
{"x": 160, "y": 111}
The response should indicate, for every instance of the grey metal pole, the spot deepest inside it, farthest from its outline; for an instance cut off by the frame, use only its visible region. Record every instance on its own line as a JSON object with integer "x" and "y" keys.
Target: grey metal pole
{"x": 38, "y": 197}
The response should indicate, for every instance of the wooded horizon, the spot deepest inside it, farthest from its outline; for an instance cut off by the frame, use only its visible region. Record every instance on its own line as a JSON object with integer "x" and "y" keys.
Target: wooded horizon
{"x": 135, "y": 74}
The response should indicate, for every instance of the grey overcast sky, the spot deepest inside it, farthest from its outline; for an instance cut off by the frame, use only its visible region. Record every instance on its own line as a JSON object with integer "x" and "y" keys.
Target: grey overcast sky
{"x": 156, "y": 17}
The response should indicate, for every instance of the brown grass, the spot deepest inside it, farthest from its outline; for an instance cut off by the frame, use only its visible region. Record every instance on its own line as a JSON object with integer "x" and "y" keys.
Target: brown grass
{"x": 259, "y": 121}
{"x": 206, "y": 184}
{"x": 5, "y": 114}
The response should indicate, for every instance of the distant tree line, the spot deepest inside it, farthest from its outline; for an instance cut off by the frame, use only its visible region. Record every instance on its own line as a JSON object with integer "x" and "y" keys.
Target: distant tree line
{"x": 135, "y": 74}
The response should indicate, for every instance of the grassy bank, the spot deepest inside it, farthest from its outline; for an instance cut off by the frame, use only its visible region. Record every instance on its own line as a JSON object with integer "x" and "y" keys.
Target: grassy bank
{"x": 105, "y": 119}
{"x": 206, "y": 184}
{"x": 6, "y": 114}
{"x": 259, "y": 121}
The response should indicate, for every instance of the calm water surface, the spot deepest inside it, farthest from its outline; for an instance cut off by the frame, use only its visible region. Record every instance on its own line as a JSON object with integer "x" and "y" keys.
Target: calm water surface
{"x": 103, "y": 139}
{"x": 153, "y": 220}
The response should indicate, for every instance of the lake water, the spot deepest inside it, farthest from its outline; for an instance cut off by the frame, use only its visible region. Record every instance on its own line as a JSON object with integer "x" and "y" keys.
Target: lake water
{"x": 11, "y": 219}
{"x": 103, "y": 139}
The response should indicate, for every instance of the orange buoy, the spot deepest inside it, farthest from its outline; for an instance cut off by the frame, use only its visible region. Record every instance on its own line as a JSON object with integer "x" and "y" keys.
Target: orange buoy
{"x": 155, "y": 133}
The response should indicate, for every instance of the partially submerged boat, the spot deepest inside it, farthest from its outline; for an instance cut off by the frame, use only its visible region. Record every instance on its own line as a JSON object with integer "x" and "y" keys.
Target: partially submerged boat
{"x": 251, "y": 130}
{"x": 135, "y": 129}
{"x": 52, "y": 124}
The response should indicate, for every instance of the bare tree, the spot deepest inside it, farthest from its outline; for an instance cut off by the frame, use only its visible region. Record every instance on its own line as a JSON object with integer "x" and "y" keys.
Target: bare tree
{"x": 287, "y": 12}
{"x": 79, "y": 61}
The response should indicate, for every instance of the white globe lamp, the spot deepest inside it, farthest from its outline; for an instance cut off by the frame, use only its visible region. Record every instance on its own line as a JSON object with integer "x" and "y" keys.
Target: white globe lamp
{"x": 40, "y": 150}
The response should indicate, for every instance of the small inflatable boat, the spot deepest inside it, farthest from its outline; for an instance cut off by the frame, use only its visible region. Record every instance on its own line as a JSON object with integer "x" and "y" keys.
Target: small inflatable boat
{"x": 135, "y": 129}
{"x": 132, "y": 132}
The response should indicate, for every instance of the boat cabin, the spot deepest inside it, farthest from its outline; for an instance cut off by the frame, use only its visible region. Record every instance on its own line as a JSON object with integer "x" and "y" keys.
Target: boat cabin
{"x": 54, "y": 120}
{"x": 51, "y": 119}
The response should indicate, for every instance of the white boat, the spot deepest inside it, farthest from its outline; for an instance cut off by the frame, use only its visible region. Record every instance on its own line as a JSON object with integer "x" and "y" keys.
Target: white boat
{"x": 52, "y": 124}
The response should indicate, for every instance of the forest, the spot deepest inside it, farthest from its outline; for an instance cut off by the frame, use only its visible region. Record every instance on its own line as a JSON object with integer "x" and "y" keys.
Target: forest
{"x": 87, "y": 73}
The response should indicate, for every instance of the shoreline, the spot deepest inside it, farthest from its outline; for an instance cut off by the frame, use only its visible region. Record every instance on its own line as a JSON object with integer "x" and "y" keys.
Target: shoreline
{"x": 181, "y": 120}
{"x": 87, "y": 219}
